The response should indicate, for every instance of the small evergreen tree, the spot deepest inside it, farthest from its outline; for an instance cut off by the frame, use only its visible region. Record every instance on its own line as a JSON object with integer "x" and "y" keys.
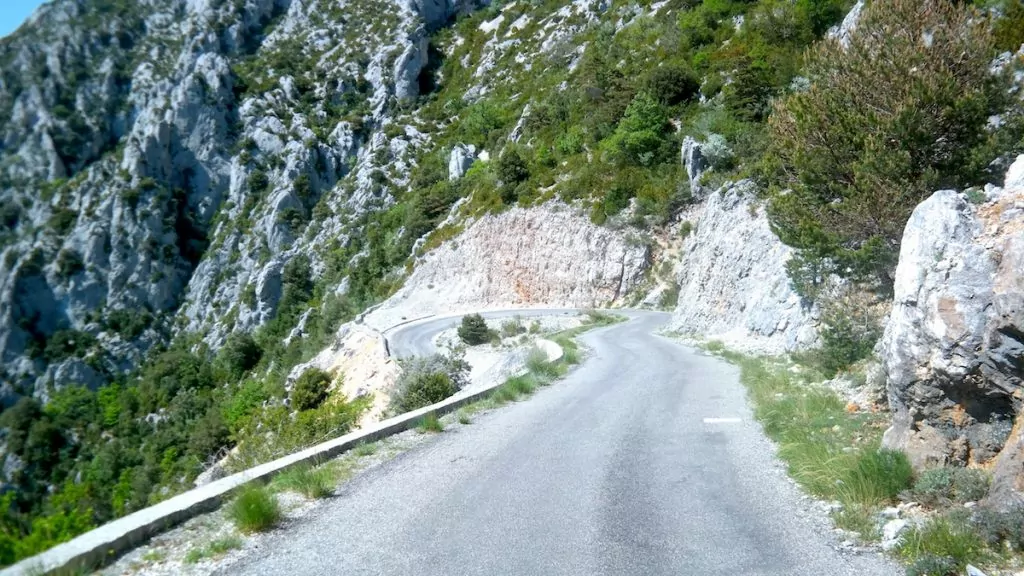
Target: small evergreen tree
{"x": 474, "y": 330}
{"x": 310, "y": 389}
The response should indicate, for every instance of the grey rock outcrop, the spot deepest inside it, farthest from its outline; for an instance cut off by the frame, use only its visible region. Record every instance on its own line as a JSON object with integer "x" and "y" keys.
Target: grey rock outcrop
{"x": 848, "y": 25}
{"x": 733, "y": 284}
{"x": 953, "y": 345}
{"x": 460, "y": 160}
{"x": 693, "y": 161}
{"x": 182, "y": 189}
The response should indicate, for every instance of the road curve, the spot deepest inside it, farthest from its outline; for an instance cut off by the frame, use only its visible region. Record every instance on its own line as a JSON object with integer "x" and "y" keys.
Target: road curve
{"x": 416, "y": 338}
{"x": 612, "y": 471}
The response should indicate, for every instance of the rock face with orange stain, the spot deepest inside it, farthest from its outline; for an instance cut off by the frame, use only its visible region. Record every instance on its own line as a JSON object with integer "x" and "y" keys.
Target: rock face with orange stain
{"x": 551, "y": 256}
{"x": 953, "y": 345}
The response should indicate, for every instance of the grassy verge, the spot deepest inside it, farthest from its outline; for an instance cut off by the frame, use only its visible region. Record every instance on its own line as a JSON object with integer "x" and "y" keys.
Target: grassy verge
{"x": 835, "y": 454}
{"x": 832, "y": 453}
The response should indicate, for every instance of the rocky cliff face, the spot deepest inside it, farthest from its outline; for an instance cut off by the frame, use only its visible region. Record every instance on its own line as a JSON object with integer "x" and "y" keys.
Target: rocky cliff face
{"x": 732, "y": 278}
{"x": 954, "y": 342}
{"x": 163, "y": 160}
{"x": 546, "y": 256}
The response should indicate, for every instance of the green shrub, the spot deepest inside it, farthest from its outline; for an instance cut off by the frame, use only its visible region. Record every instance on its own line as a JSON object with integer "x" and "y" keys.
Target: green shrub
{"x": 310, "y": 389}
{"x": 941, "y": 486}
{"x": 929, "y": 565}
{"x": 62, "y": 220}
{"x": 240, "y": 354}
{"x": 513, "y": 327}
{"x": 1009, "y": 30}
{"x": 67, "y": 344}
{"x": 1001, "y": 527}
{"x": 254, "y": 509}
{"x": 424, "y": 390}
{"x": 686, "y": 228}
{"x": 849, "y": 330}
{"x": 129, "y": 324}
{"x": 856, "y": 162}
{"x": 672, "y": 84}
{"x": 670, "y": 297}
{"x": 426, "y": 381}
{"x": 473, "y": 330}
{"x": 512, "y": 168}
{"x": 640, "y": 138}
{"x": 969, "y": 485}
{"x": 69, "y": 263}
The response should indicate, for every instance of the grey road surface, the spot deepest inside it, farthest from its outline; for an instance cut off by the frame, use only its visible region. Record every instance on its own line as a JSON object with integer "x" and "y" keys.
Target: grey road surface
{"x": 612, "y": 471}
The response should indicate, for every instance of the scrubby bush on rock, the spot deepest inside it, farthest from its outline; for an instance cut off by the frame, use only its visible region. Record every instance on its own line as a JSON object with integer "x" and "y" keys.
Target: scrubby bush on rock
{"x": 427, "y": 380}
{"x": 310, "y": 389}
{"x": 850, "y": 163}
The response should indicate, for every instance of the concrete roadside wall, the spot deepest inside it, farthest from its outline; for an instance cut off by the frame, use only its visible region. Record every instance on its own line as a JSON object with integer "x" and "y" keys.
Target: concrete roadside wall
{"x": 102, "y": 545}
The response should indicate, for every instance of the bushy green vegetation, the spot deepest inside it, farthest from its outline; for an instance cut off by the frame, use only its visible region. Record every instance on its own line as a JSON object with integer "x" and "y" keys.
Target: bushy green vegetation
{"x": 943, "y": 486}
{"x": 426, "y": 381}
{"x": 602, "y": 132}
{"x": 310, "y": 389}
{"x": 850, "y": 164}
{"x": 473, "y": 330}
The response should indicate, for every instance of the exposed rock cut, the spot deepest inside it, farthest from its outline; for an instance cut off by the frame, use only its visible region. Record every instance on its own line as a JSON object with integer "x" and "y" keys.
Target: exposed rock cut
{"x": 359, "y": 356}
{"x": 460, "y": 160}
{"x": 733, "y": 284}
{"x": 953, "y": 345}
{"x": 545, "y": 256}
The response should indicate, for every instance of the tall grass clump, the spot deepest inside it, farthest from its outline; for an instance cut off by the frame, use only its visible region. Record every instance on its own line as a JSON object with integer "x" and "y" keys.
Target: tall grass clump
{"x": 538, "y": 365}
{"x": 430, "y": 423}
{"x": 308, "y": 481}
{"x": 255, "y": 509}
{"x": 833, "y": 454}
{"x": 951, "y": 536}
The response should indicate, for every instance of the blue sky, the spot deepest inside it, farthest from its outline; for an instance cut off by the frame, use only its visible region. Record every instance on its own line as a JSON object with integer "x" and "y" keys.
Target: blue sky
{"x": 14, "y": 12}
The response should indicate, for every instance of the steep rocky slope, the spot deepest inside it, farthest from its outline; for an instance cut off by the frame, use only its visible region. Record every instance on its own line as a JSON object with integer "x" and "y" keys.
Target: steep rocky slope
{"x": 733, "y": 281}
{"x": 201, "y": 198}
{"x": 167, "y": 157}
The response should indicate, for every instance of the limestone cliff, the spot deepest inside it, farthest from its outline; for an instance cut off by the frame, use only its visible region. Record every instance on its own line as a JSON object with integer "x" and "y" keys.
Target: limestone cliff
{"x": 953, "y": 345}
{"x": 732, "y": 278}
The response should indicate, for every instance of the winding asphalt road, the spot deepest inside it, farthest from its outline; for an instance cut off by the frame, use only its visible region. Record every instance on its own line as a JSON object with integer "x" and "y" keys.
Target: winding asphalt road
{"x": 645, "y": 460}
{"x": 417, "y": 337}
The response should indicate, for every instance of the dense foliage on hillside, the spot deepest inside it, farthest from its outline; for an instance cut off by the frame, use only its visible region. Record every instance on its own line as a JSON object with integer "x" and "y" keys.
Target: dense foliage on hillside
{"x": 597, "y": 119}
{"x": 851, "y": 164}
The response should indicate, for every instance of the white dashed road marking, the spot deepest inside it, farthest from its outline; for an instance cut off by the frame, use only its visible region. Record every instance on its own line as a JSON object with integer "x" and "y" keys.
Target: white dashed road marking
{"x": 722, "y": 420}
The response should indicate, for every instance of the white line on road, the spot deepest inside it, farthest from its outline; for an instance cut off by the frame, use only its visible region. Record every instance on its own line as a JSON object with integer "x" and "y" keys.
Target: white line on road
{"x": 722, "y": 420}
